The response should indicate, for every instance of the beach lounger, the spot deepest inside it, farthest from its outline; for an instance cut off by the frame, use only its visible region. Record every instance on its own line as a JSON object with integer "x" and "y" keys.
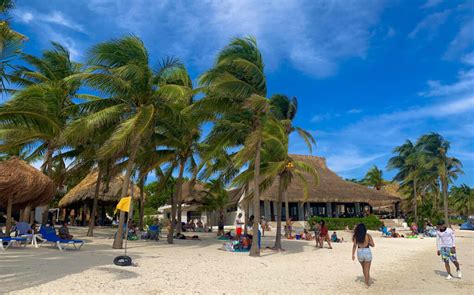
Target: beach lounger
{"x": 48, "y": 235}
{"x": 153, "y": 232}
{"x": 11, "y": 241}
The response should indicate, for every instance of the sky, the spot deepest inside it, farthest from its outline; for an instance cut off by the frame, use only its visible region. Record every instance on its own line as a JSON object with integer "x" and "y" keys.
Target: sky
{"x": 368, "y": 75}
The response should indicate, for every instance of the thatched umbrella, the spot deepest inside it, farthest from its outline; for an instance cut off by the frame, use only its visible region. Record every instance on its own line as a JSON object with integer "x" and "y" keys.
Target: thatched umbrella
{"x": 85, "y": 191}
{"x": 21, "y": 185}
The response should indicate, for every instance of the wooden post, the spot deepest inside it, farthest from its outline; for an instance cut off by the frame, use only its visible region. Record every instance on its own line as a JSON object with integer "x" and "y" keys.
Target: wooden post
{"x": 9, "y": 215}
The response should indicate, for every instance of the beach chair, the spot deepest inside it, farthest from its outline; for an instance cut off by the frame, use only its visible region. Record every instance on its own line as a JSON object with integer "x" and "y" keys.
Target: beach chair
{"x": 11, "y": 241}
{"x": 48, "y": 235}
{"x": 22, "y": 228}
{"x": 386, "y": 232}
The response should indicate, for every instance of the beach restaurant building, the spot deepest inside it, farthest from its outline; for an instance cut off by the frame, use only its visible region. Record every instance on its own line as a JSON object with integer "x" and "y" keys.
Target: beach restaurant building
{"x": 331, "y": 197}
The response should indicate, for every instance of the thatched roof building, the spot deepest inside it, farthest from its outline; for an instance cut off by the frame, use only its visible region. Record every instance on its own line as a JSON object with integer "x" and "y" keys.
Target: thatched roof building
{"x": 23, "y": 187}
{"x": 331, "y": 188}
{"x": 24, "y": 184}
{"x": 85, "y": 191}
{"x": 332, "y": 194}
{"x": 193, "y": 193}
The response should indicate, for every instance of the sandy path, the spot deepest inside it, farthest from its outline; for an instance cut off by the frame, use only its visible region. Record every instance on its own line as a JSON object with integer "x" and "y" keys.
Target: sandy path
{"x": 399, "y": 266}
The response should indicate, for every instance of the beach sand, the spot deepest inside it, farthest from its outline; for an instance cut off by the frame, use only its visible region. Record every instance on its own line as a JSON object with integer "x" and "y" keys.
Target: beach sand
{"x": 399, "y": 266}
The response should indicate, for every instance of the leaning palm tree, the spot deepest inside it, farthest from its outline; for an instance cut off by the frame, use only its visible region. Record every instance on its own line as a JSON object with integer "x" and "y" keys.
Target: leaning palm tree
{"x": 33, "y": 120}
{"x": 236, "y": 87}
{"x": 374, "y": 178}
{"x": 136, "y": 96}
{"x": 436, "y": 148}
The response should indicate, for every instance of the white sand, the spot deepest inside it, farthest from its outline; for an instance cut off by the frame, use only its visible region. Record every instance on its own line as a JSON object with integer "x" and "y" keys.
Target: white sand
{"x": 399, "y": 266}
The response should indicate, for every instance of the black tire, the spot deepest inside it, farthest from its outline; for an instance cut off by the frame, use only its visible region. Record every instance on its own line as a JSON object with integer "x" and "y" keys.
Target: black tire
{"x": 123, "y": 260}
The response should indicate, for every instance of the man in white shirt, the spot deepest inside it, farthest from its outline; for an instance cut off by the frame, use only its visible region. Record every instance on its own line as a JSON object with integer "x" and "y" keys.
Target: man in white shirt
{"x": 447, "y": 248}
{"x": 238, "y": 224}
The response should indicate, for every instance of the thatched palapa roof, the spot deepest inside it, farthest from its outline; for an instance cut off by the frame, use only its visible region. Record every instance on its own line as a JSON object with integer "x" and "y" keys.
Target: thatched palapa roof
{"x": 24, "y": 183}
{"x": 193, "y": 193}
{"x": 85, "y": 191}
{"x": 331, "y": 188}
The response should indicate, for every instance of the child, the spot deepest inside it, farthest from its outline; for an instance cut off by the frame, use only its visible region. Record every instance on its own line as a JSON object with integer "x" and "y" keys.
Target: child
{"x": 447, "y": 248}
{"x": 335, "y": 239}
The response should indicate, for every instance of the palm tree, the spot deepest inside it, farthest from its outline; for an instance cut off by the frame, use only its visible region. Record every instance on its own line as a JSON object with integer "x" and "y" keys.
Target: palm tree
{"x": 448, "y": 168}
{"x": 277, "y": 163}
{"x": 463, "y": 196}
{"x": 236, "y": 88}
{"x": 216, "y": 199}
{"x": 411, "y": 166}
{"x": 10, "y": 43}
{"x": 285, "y": 109}
{"x": 137, "y": 96}
{"x": 374, "y": 178}
{"x": 33, "y": 120}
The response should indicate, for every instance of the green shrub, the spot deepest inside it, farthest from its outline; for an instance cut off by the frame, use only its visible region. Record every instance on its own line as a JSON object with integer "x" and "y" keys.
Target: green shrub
{"x": 372, "y": 222}
{"x": 456, "y": 221}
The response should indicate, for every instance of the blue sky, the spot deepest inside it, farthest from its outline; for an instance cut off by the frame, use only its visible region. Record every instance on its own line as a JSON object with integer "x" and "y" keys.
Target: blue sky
{"x": 368, "y": 74}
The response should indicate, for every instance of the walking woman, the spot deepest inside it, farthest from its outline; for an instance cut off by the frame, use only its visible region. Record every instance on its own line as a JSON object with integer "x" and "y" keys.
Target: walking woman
{"x": 362, "y": 242}
{"x": 324, "y": 235}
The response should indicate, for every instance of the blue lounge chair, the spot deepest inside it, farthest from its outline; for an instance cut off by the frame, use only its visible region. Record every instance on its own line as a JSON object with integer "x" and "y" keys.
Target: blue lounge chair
{"x": 48, "y": 235}
{"x": 11, "y": 241}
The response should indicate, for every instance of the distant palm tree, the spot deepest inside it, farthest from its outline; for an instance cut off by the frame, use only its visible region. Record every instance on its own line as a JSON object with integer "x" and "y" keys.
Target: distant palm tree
{"x": 410, "y": 163}
{"x": 138, "y": 95}
{"x": 436, "y": 148}
{"x": 374, "y": 178}
{"x": 463, "y": 197}
{"x": 216, "y": 199}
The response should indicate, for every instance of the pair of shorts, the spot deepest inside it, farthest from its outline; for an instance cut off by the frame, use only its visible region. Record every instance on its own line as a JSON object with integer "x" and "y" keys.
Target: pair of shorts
{"x": 364, "y": 255}
{"x": 447, "y": 255}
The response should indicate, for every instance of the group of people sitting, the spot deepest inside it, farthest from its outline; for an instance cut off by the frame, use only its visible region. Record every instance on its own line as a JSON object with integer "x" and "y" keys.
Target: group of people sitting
{"x": 193, "y": 226}
{"x": 23, "y": 228}
{"x": 428, "y": 231}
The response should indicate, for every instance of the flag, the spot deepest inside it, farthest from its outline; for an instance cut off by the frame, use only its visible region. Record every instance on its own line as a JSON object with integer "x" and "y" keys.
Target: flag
{"x": 124, "y": 204}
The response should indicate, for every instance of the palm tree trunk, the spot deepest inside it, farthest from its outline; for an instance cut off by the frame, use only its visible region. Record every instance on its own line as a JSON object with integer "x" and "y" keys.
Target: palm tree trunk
{"x": 247, "y": 209}
{"x": 287, "y": 211}
{"x": 9, "y": 215}
{"x": 174, "y": 199}
{"x": 415, "y": 201}
{"x": 90, "y": 231}
{"x": 180, "y": 205}
{"x": 142, "y": 202}
{"x": 255, "y": 250}
{"x": 277, "y": 245}
{"x": 48, "y": 170}
{"x": 444, "y": 184}
{"x": 118, "y": 241}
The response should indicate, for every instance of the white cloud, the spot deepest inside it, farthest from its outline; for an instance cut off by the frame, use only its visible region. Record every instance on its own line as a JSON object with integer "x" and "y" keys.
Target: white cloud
{"x": 313, "y": 36}
{"x": 468, "y": 58}
{"x": 431, "y": 4}
{"x": 463, "y": 40}
{"x": 430, "y": 24}
{"x": 464, "y": 84}
{"x": 349, "y": 160}
{"x": 354, "y": 111}
{"x": 54, "y": 17}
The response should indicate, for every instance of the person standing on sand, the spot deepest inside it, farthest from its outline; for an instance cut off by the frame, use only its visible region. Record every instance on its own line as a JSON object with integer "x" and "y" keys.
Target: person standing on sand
{"x": 362, "y": 242}
{"x": 447, "y": 248}
{"x": 317, "y": 233}
{"x": 238, "y": 224}
{"x": 324, "y": 235}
